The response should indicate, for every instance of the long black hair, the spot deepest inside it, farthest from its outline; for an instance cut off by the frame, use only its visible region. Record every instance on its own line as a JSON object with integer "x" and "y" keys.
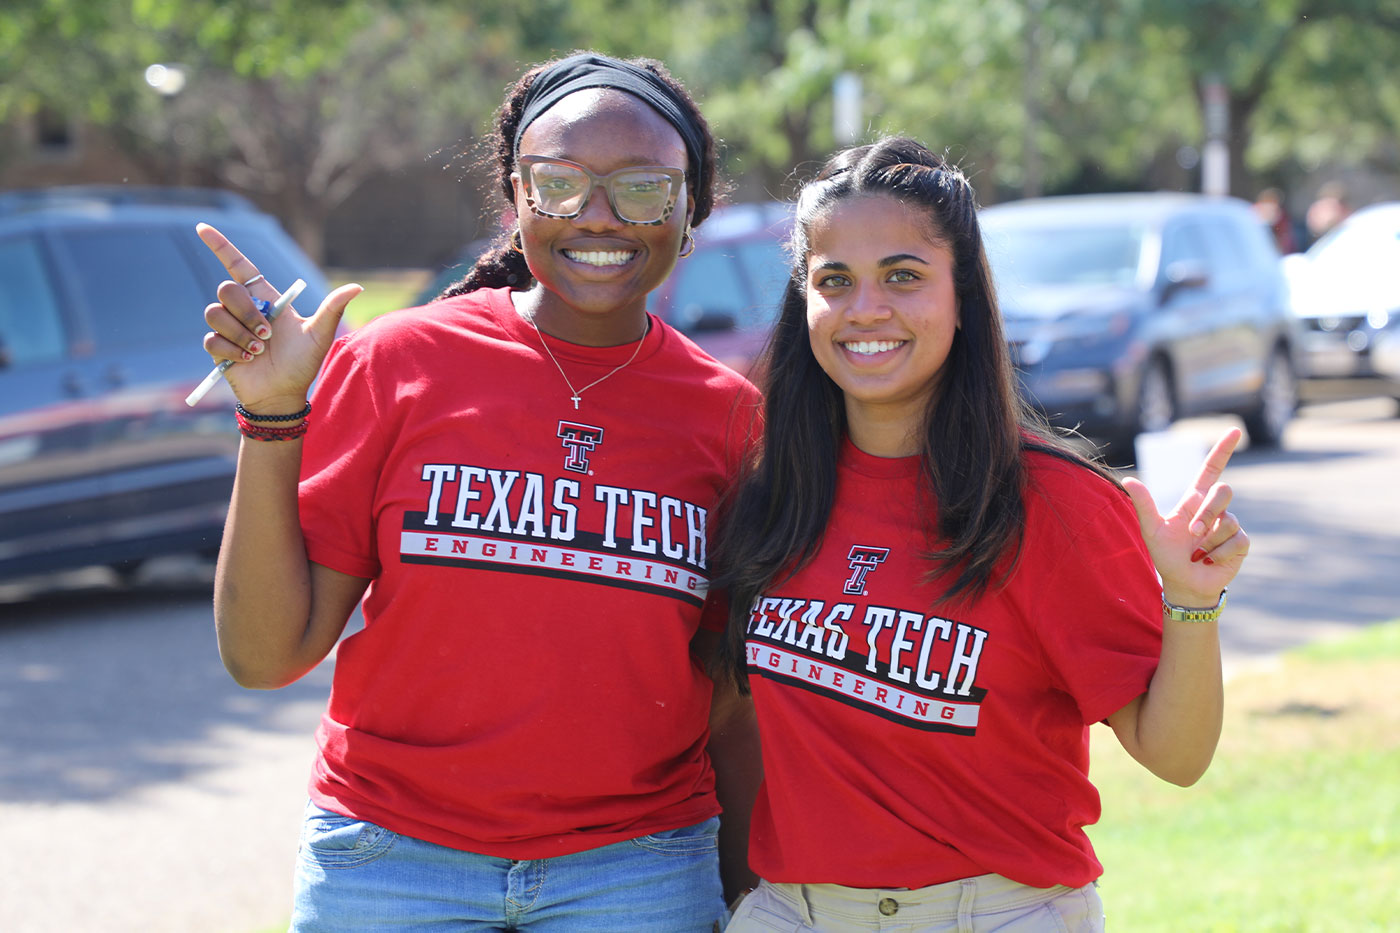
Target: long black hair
{"x": 503, "y": 264}
{"x": 975, "y": 430}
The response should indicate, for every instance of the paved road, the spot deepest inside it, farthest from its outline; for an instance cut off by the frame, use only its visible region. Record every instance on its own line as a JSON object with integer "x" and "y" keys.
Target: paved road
{"x": 141, "y": 790}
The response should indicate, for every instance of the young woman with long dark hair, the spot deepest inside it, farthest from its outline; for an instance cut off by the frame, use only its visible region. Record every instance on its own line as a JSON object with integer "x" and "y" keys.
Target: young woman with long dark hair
{"x": 932, "y": 598}
{"x": 516, "y": 480}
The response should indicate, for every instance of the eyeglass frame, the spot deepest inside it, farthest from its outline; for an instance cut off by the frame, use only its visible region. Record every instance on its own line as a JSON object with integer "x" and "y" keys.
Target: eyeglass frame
{"x": 676, "y": 175}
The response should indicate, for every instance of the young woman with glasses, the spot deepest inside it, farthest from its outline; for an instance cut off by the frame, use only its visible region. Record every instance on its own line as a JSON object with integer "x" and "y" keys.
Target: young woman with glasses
{"x": 517, "y": 479}
{"x": 932, "y": 599}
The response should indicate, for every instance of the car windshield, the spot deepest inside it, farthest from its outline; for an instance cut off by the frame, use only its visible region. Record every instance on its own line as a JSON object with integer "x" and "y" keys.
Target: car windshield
{"x": 1030, "y": 256}
{"x": 1359, "y": 248}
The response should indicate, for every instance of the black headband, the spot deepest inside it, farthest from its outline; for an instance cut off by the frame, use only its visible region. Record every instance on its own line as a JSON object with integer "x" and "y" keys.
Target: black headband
{"x": 591, "y": 70}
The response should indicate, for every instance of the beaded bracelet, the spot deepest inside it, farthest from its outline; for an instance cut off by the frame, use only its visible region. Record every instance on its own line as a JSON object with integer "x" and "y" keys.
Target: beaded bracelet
{"x": 250, "y": 416}
{"x": 261, "y": 432}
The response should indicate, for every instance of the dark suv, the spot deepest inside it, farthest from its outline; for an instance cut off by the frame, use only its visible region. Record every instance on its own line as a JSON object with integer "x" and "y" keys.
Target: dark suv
{"x": 1127, "y": 311}
{"x": 101, "y": 298}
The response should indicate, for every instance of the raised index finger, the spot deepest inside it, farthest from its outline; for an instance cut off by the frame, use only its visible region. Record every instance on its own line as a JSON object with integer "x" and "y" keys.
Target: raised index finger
{"x": 1216, "y": 460}
{"x": 239, "y": 267}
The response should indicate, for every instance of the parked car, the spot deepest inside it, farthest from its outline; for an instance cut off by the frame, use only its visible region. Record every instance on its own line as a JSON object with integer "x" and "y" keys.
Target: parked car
{"x": 102, "y": 292}
{"x": 1346, "y": 292}
{"x": 724, "y": 295}
{"x": 1127, "y": 311}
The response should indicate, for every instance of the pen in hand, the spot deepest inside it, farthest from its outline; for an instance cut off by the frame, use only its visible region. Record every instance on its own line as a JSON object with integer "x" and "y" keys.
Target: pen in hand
{"x": 285, "y": 299}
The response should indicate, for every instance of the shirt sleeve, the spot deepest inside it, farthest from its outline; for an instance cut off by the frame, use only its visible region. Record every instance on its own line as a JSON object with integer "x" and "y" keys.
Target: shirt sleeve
{"x": 342, "y": 459}
{"x": 1099, "y": 615}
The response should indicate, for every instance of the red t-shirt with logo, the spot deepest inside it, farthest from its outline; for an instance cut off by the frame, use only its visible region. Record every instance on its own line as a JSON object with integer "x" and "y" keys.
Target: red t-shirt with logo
{"x": 905, "y": 745}
{"x": 522, "y": 686}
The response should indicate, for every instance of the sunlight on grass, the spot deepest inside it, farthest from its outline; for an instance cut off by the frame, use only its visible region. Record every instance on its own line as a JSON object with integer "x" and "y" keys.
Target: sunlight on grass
{"x": 1296, "y": 827}
{"x": 385, "y": 290}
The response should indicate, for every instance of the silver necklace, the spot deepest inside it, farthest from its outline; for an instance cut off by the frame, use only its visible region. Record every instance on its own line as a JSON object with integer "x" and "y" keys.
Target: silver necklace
{"x": 576, "y": 393}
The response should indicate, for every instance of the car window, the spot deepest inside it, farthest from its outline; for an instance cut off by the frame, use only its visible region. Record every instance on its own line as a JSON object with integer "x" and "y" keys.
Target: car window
{"x": 710, "y": 280}
{"x": 138, "y": 282}
{"x": 765, "y": 262}
{"x": 1358, "y": 248}
{"x": 1031, "y": 256}
{"x": 30, "y": 328}
{"x": 1230, "y": 266}
{"x": 1183, "y": 242}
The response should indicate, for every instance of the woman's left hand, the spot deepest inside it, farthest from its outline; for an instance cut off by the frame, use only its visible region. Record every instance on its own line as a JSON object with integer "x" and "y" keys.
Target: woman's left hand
{"x": 1199, "y": 546}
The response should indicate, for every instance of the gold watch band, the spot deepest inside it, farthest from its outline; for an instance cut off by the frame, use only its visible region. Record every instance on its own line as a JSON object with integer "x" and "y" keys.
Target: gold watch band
{"x": 1185, "y": 614}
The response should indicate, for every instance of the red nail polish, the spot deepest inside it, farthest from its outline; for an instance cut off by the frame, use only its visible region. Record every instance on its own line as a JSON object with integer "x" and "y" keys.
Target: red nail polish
{"x": 1207, "y": 560}
{"x": 1200, "y": 553}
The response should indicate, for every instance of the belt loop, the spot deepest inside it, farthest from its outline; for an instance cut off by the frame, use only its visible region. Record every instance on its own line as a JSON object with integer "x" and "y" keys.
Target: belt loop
{"x": 804, "y": 906}
{"x": 967, "y": 903}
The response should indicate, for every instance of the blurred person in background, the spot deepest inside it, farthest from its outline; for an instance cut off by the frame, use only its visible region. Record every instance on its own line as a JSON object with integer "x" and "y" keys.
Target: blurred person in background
{"x": 1272, "y": 212}
{"x": 516, "y": 479}
{"x": 932, "y": 599}
{"x": 1328, "y": 209}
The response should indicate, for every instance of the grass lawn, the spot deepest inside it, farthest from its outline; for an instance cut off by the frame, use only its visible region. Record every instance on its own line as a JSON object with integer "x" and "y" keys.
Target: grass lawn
{"x": 1295, "y": 827}
{"x": 385, "y": 290}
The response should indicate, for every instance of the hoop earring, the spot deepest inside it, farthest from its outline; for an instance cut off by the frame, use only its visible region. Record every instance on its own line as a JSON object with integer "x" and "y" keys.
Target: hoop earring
{"x": 516, "y": 246}
{"x": 687, "y": 244}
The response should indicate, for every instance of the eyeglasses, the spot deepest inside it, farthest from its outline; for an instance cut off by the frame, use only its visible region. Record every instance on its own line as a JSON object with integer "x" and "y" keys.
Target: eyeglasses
{"x": 644, "y": 194}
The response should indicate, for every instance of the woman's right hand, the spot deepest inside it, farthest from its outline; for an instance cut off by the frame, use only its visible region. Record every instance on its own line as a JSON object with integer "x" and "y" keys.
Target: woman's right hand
{"x": 277, "y": 360}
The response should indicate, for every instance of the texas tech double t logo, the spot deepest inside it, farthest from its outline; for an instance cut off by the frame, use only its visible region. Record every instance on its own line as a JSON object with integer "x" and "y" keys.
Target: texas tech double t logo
{"x": 579, "y": 439}
{"x": 863, "y": 560}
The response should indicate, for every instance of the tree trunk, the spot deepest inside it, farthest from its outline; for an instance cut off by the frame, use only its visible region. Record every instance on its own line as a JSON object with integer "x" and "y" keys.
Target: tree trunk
{"x": 306, "y": 222}
{"x": 1242, "y": 107}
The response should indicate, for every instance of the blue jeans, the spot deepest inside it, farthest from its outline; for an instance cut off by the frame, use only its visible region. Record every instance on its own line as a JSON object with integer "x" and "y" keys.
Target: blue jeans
{"x": 352, "y": 875}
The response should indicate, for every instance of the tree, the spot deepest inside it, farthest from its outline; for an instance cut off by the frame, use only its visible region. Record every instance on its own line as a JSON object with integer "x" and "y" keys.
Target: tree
{"x": 298, "y": 102}
{"x": 294, "y": 102}
{"x": 1289, "y": 67}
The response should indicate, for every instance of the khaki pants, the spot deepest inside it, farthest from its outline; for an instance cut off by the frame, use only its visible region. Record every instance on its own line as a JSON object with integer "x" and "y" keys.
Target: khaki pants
{"x": 971, "y": 905}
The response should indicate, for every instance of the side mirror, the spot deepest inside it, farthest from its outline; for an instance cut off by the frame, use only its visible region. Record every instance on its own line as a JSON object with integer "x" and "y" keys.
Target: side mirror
{"x": 4, "y": 354}
{"x": 709, "y": 321}
{"x": 1184, "y": 274}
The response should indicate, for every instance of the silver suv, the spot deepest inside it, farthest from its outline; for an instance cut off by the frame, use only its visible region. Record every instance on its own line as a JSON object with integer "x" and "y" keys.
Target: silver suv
{"x": 101, "y": 298}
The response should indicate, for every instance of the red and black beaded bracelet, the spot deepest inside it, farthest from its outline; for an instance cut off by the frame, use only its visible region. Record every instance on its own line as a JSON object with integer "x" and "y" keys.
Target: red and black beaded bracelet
{"x": 260, "y": 432}
{"x": 255, "y": 426}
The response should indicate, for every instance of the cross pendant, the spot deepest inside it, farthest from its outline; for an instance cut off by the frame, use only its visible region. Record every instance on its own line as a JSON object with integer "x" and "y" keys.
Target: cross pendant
{"x": 575, "y": 398}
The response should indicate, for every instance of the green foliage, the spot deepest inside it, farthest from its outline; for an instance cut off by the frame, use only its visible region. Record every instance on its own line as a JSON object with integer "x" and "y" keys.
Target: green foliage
{"x": 300, "y": 101}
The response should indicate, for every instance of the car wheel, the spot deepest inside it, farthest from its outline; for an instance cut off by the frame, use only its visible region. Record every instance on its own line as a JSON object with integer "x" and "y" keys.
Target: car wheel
{"x": 1278, "y": 400}
{"x": 1156, "y": 408}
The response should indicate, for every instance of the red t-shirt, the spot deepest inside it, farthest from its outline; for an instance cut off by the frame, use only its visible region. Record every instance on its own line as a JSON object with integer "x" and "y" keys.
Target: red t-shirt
{"x": 905, "y": 745}
{"x": 522, "y": 686}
